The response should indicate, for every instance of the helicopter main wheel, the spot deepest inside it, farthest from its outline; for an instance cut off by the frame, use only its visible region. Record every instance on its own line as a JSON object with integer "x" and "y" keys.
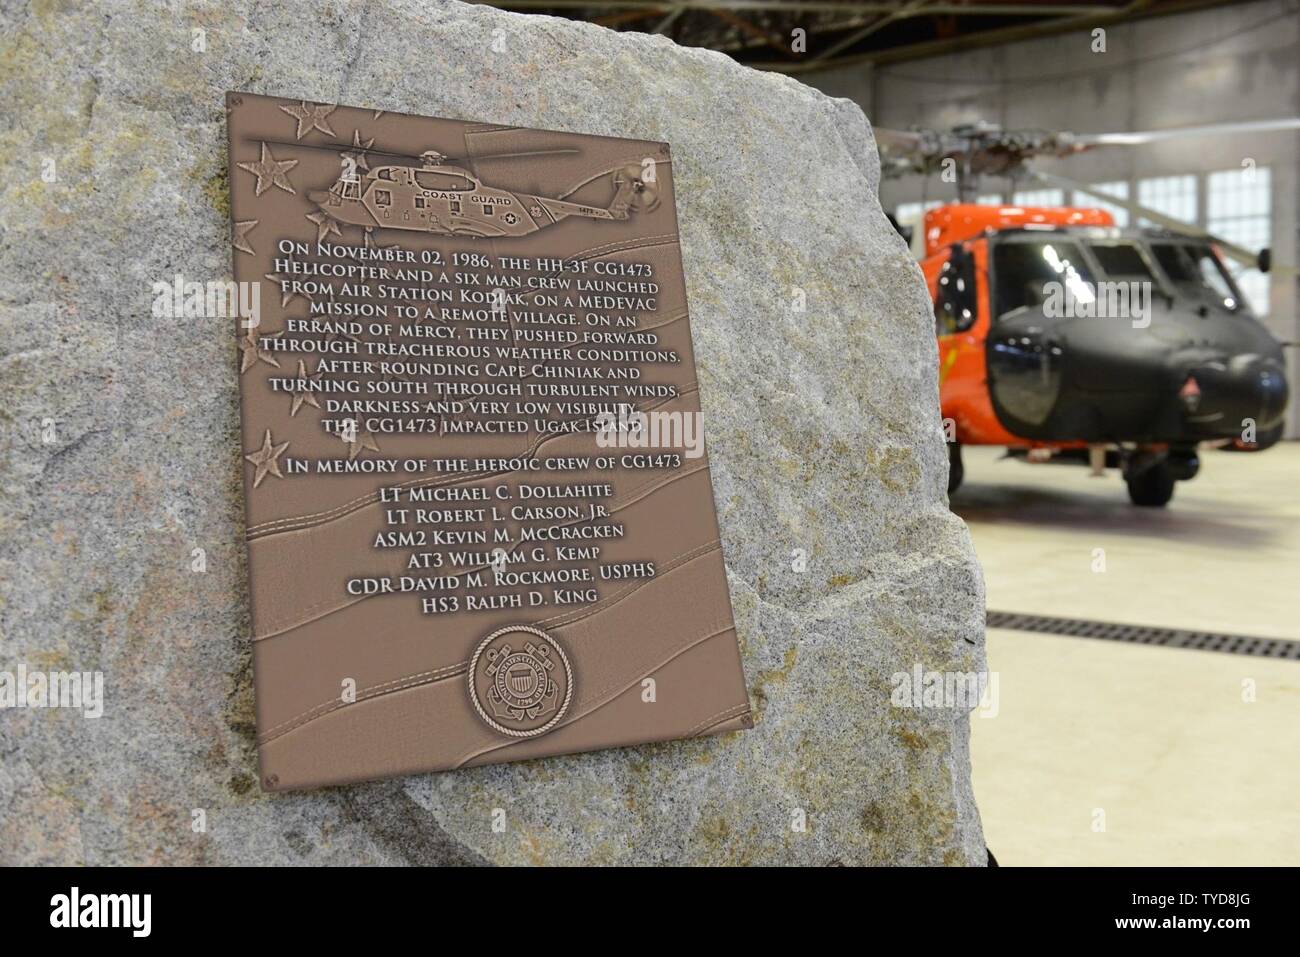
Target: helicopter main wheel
{"x": 956, "y": 471}
{"x": 1152, "y": 487}
{"x": 645, "y": 196}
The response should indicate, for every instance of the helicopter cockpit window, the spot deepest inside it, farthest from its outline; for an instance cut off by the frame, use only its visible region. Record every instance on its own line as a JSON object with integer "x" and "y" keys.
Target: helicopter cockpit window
{"x": 954, "y": 301}
{"x": 430, "y": 179}
{"x": 383, "y": 197}
{"x": 1121, "y": 261}
{"x": 1197, "y": 272}
{"x": 1024, "y": 273}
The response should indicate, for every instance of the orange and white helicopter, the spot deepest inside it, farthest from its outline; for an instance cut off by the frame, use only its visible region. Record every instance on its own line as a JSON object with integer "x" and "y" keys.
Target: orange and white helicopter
{"x": 1067, "y": 339}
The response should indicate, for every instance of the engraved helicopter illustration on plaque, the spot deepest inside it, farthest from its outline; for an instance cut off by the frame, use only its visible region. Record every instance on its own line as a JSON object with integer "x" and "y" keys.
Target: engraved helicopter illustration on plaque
{"x": 441, "y": 197}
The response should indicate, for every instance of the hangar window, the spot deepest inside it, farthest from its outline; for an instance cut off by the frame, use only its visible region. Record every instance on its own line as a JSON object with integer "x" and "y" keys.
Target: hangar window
{"x": 1118, "y": 189}
{"x": 1039, "y": 197}
{"x": 1172, "y": 195}
{"x": 912, "y": 214}
{"x": 1239, "y": 209}
{"x": 1024, "y": 274}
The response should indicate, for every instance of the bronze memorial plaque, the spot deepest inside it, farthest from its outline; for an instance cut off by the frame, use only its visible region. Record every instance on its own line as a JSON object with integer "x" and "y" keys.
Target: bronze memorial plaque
{"x": 479, "y": 517}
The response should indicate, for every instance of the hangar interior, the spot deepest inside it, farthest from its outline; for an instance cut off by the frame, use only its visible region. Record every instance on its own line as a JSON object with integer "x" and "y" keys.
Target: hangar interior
{"x": 1146, "y": 661}
{"x": 1120, "y": 750}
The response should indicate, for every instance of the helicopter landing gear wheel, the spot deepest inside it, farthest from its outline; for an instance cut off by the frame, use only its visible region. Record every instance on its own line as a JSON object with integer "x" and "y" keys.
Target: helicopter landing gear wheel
{"x": 645, "y": 196}
{"x": 1153, "y": 487}
{"x": 956, "y": 472}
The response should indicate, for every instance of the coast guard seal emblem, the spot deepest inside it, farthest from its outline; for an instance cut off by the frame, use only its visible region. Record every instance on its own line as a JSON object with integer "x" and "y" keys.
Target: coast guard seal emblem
{"x": 520, "y": 681}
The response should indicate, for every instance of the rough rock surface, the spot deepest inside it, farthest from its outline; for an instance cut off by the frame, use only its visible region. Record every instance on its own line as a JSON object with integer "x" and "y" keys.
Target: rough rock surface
{"x": 823, "y": 432}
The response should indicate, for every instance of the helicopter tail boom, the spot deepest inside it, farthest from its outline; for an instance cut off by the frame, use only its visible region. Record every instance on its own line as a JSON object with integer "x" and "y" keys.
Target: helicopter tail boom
{"x": 559, "y": 209}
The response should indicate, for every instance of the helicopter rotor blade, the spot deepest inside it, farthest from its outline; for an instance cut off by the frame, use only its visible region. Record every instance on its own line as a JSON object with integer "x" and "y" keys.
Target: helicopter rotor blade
{"x": 896, "y": 139}
{"x": 1239, "y": 254}
{"x": 1138, "y": 138}
{"x": 492, "y": 156}
{"x": 987, "y": 149}
{"x": 903, "y": 152}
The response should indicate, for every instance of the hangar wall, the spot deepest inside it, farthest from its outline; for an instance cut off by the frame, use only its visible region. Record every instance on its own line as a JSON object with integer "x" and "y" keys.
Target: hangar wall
{"x": 1227, "y": 63}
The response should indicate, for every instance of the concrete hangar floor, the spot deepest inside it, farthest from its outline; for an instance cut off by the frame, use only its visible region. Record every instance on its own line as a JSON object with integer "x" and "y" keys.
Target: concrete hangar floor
{"x": 1177, "y": 744}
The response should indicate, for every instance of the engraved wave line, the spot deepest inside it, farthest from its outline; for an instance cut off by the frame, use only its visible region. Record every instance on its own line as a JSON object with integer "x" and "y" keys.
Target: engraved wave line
{"x": 265, "y": 529}
{"x": 451, "y": 671}
{"x": 735, "y": 711}
{"x": 634, "y": 495}
{"x": 610, "y": 693}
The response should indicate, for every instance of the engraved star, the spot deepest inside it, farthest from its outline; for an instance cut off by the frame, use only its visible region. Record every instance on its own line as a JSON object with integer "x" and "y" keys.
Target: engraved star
{"x": 239, "y": 236}
{"x": 326, "y": 225}
{"x": 301, "y": 396}
{"x": 266, "y": 459}
{"x": 358, "y": 151}
{"x": 361, "y": 440}
{"x": 286, "y": 296}
{"x": 310, "y": 117}
{"x": 270, "y": 172}
{"x": 253, "y": 351}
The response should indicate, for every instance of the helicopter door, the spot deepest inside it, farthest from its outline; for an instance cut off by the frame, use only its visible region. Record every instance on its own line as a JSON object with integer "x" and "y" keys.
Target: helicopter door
{"x": 958, "y": 280}
{"x": 437, "y": 209}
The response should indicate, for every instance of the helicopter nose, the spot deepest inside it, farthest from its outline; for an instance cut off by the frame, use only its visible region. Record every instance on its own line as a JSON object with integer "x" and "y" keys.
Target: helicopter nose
{"x": 1224, "y": 397}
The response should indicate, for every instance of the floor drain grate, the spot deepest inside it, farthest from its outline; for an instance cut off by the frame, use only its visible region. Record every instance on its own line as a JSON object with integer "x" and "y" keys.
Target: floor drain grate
{"x": 1148, "y": 635}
